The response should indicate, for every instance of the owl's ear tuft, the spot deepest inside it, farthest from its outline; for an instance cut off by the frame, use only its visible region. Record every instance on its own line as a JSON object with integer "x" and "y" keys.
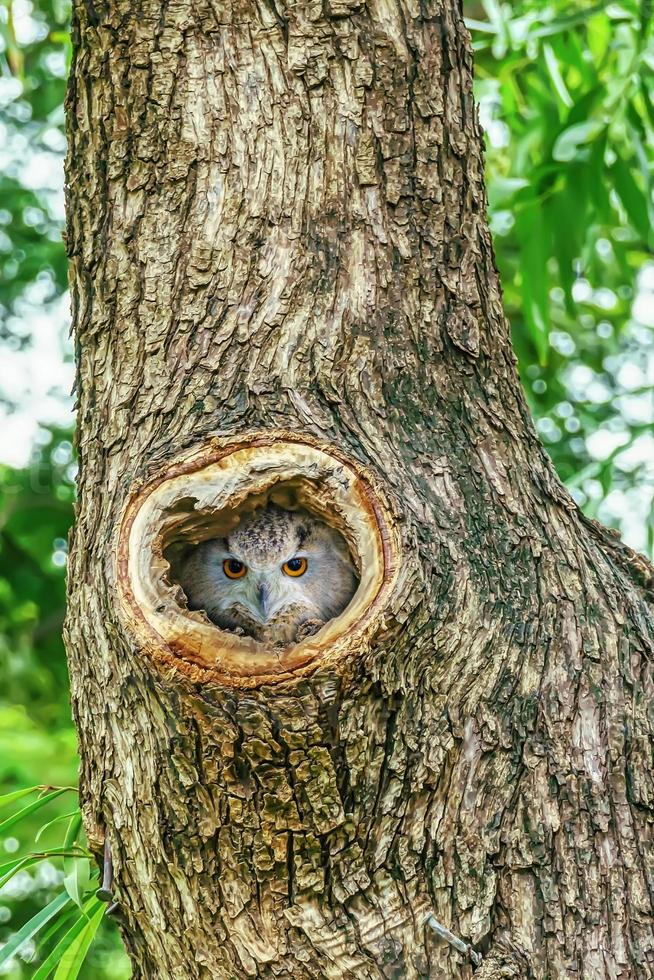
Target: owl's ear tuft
{"x": 203, "y": 496}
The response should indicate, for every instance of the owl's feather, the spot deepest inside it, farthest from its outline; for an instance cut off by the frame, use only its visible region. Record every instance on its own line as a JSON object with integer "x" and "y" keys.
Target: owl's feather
{"x": 266, "y": 603}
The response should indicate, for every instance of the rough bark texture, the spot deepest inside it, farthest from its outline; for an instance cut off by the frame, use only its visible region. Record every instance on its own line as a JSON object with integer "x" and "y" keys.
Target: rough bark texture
{"x": 277, "y": 220}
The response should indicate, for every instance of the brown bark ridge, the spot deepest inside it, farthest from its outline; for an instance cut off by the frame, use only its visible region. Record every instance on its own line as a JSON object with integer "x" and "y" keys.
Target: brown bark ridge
{"x": 277, "y": 222}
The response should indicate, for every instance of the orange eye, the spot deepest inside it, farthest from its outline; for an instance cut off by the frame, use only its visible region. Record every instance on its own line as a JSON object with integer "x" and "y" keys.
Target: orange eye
{"x": 234, "y": 568}
{"x": 295, "y": 567}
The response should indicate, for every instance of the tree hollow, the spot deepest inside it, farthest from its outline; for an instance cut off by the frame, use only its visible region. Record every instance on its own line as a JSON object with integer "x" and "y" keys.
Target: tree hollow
{"x": 202, "y": 496}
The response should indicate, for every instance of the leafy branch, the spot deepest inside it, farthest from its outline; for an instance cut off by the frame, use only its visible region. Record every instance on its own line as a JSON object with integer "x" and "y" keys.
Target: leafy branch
{"x": 75, "y": 914}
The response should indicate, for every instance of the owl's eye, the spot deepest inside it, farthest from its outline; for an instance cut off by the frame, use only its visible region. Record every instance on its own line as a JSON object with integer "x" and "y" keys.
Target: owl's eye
{"x": 234, "y": 568}
{"x": 295, "y": 567}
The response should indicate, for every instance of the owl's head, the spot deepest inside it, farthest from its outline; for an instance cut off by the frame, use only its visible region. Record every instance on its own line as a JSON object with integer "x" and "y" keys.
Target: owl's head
{"x": 276, "y": 570}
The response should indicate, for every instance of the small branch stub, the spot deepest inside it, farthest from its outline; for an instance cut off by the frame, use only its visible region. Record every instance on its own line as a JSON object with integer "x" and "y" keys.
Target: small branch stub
{"x": 203, "y": 496}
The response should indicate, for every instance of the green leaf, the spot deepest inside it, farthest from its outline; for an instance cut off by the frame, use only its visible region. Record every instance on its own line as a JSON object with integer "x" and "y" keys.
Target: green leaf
{"x": 479, "y": 25}
{"x": 594, "y": 185}
{"x": 633, "y": 199}
{"x": 556, "y": 76}
{"x": 647, "y": 101}
{"x": 535, "y": 250}
{"x": 32, "y": 927}
{"x": 50, "y": 823}
{"x": 599, "y": 37}
{"x": 566, "y": 238}
{"x": 11, "y": 868}
{"x": 77, "y": 880}
{"x": 569, "y": 143}
{"x": 59, "y": 925}
{"x": 26, "y": 811}
{"x": 73, "y": 830}
{"x": 502, "y": 190}
{"x": 7, "y": 871}
{"x": 17, "y": 795}
{"x": 562, "y": 24}
{"x": 496, "y": 15}
{"x": 81, "y": 923}
{"x": 77, "y": 876}
{"x": 73, "y": 958}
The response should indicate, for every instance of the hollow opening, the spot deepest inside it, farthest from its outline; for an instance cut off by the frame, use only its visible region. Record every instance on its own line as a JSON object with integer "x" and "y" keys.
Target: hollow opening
{"x": 276, "y": 568}
{"x": 285, "y": 499}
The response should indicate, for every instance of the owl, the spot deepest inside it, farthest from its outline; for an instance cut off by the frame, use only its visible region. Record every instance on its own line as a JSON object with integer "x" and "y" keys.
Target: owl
{"x": 277, "y": 577}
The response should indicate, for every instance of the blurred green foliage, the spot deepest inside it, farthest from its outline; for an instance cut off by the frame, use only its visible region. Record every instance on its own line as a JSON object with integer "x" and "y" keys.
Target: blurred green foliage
{"x": 37, "y": 741}
{"x": 565, "y": 93}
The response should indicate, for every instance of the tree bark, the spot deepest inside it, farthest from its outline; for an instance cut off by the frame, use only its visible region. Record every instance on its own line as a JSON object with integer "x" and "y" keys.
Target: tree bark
{"x": 277, "y": 221}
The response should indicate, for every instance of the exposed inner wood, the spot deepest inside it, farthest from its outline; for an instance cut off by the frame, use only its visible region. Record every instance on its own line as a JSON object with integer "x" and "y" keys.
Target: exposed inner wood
{"x": 201, "y": 498}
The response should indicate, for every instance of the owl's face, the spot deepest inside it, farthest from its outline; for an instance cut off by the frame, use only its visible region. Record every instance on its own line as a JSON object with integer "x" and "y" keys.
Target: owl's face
{"x": 276, "y": 570}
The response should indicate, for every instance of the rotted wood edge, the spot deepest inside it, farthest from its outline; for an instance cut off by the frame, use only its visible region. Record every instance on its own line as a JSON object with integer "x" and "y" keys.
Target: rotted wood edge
{"x": 296, "y": 661}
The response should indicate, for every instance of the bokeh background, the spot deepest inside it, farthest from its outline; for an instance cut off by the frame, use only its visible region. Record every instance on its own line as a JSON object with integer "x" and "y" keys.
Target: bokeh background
{"x": 566, "y": 101}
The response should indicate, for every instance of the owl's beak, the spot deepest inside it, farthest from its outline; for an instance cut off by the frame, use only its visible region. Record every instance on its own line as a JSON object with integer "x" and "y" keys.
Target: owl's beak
{"x": 263, "y": 597}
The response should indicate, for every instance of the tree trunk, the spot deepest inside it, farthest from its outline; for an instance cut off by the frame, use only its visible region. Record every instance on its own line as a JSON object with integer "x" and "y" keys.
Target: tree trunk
{"x": 277, "y": 225}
